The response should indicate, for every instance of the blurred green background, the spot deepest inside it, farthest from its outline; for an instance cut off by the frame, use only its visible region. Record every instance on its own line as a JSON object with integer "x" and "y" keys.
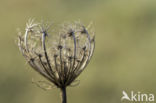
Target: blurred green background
{"x": 124, "y": 58}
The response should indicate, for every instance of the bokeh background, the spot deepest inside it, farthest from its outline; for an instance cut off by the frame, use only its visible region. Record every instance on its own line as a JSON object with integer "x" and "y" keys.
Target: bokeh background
{"x": 124, "y": 58}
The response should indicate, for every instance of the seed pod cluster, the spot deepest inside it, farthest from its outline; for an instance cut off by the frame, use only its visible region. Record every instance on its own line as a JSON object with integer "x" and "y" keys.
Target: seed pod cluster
{"x": 58, "y": 56}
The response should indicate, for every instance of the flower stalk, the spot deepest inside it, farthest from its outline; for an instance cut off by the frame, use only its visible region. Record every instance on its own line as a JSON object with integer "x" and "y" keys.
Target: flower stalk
{"x": 64, "y": 95}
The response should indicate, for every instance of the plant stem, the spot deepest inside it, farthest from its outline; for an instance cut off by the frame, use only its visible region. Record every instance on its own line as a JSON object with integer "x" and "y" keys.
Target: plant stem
{"x": 63, "y": 94}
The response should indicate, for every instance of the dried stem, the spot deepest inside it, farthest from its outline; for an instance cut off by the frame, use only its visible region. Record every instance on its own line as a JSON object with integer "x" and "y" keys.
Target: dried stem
{"x": 63, "y": 95}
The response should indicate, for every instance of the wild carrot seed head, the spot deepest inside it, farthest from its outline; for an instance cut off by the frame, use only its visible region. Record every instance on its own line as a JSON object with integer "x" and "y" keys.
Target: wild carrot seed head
{"x": 59, "y": 57}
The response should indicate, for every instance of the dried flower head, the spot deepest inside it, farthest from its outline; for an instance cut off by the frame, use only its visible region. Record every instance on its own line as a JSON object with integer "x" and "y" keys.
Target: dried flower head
{"x": 59, "y": 57}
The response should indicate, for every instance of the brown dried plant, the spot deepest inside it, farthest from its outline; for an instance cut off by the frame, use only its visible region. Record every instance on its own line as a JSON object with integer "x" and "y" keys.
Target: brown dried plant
{"x": 60, "y": 57}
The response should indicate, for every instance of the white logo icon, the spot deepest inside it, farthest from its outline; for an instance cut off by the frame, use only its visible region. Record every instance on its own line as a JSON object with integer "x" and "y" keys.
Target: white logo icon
{"x": 138, "y": 96}
{"x": 125, "y": 96}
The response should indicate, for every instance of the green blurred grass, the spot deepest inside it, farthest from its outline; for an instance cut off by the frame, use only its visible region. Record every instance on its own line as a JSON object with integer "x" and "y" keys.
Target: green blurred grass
{"x": 124, "y": 57}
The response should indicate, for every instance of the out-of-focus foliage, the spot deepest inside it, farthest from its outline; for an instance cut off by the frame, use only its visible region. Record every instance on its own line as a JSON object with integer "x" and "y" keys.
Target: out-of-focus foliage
{"x": 124, "y": 57}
